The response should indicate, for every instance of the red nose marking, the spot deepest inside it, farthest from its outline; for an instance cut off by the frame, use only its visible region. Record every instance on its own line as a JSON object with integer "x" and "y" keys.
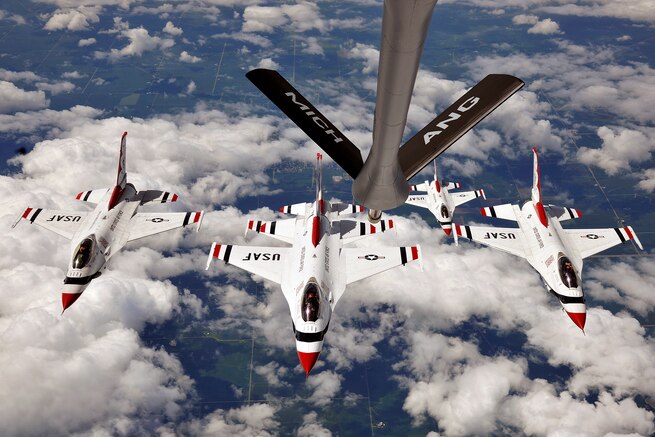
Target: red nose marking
{"x": 68, "y": 299}
{"x": 447, "y": 231}
{"x": 578, "y": 318}
{"x": 308, "y": 359}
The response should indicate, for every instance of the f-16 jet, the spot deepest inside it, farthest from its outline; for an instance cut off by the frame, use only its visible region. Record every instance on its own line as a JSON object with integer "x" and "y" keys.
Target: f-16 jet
{"x": 98, "y": 235}
{"x": 555, "y": 253}
{"x": 440, "y": 201}
{"x": 314, "y": 271}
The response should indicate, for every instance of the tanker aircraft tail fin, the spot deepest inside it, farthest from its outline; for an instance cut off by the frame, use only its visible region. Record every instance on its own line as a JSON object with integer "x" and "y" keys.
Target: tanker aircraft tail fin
{"x": 308, "y": 118}
{"x": 416, "y": 153}
{"x": 455, "y": 121}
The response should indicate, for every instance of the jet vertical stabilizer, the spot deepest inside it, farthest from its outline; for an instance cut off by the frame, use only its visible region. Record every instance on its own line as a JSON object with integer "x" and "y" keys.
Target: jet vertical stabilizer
{"x": 381, "y": 184}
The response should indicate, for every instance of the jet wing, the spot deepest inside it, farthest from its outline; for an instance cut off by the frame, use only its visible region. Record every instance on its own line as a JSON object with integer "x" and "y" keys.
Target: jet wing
{"x": 423, "y": 186}
{"x": 92, "y": 196}
{"x": 150, "y": 223}
{"x": 345, "y": 208}
{"x": 506, "y": 239}
{"x": 267, "y": 262}
{"x": 563, "y": 213}
{"x": 504, "y": 211}
{"x": 64, "y": 223}
{"x": 157, "y": 196}
{"x": 295, "y": 209}
{"x": 362, "y": 262}
{"x": 283, "y": 230}
{"x": 417, "y": 200}
{"x": 591, "y": 241}
{"x": 466, "y": 196}
{"x": 353, "y": 230}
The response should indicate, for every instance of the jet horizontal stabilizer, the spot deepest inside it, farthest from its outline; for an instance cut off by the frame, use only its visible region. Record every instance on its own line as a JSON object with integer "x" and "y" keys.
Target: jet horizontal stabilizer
{"x": 459, "y": 118}
{"x": 309, "y": 119}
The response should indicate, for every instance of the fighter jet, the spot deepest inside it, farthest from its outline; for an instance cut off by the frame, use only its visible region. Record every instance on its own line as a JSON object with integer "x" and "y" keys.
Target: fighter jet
{"x": 439, "y": 200}
{"x": 98, "y": 235}
{"x": 555, "y": 253}
{"x": 314, "y": 271}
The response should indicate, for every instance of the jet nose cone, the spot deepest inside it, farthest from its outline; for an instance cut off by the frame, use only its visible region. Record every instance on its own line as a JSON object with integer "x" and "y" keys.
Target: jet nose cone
{"x": 68, "y": 299}
{"x": 308, "y": 359}
{"x": 578, "y": 318}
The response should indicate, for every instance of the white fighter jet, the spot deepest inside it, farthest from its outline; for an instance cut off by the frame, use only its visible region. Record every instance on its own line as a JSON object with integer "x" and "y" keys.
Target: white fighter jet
{"x": 98, "y": 235}
{"x": 315, "y": 270}
{"x": 555, "y": 253}
{"x": 440, "y": 201}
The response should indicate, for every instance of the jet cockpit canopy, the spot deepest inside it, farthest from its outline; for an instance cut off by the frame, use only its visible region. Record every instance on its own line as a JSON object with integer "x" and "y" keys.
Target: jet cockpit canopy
{"x": 84, "y": 252}
{"x": 310, "y": 307}
{"x": 567, "y": 272}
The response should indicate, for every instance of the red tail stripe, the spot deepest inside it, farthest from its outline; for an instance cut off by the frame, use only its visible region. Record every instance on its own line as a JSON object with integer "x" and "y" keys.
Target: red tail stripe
{"x": 174, "y": 198}
{"x": 372, "y": 229}
{"x": 414, "y": 252}
{"x": 483, "y": 211}
{"x": 316, "y": 231}
{"x": 217, "y": 249}
{"x": 27, "y": 212}
{"x": 390, "y": 224}
{"x": 458, "y": 230}
{"x": 263, "y": 228}
{"x": 627, "y": 231}
{"x": 196, "y": 217}
{"x": 79, "y": 196}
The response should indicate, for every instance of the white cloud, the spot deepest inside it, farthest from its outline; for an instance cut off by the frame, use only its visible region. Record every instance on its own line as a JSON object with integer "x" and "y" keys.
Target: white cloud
{"x": 172, "y": 30}
{"x": 13, "y": 76}
{"x": 311, "y": 46}
{"x": 186, "y": 57}
{"x": 140, "y": 42}
{"x": 647, "y": 182}
{"x": 311, "y": 427}
{"x": 56, "y": 87}
{"x": 72, "y": 75}
{"x": 190, "y": 88}
{"x": 300, "y": 17}
{"x": 637, "y": 10}
{"x": 56, "y": 121}
{"x": 583, "y": 78}
{"x": 623, "y": 283}
{"x": 268, "y": 63}
{"x": 4, "y": 15}
{"x": 545, "y": 27}
{"x": 73, "y": 19}
{"x": 125, "y": 4}
{"x": 13, "y": 99}
{"x": 84, "y": 42}
{"x": 620, "y": 147}
{"x": 525, "y": 19}
{"x": 246, "y": 421}
{"x": 323, "y": 387}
